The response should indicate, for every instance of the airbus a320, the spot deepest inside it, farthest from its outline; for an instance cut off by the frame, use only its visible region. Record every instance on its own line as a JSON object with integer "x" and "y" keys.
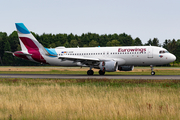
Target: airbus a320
{"x": 106, "y": 59}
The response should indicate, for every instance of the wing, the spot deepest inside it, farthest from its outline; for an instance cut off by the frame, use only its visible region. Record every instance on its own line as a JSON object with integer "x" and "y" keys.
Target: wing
{"x": 83, "y": 60}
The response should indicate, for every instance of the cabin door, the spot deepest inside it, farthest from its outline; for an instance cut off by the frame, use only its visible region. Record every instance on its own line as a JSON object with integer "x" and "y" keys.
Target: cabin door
{"x": 150, "y": 52}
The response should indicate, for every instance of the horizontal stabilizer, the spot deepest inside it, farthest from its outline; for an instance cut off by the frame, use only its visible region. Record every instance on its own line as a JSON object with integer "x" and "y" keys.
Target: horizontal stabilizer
{"x": 8, "y": 52}
{"x": 19, "y": 53}
{"x": 22, "y": 53}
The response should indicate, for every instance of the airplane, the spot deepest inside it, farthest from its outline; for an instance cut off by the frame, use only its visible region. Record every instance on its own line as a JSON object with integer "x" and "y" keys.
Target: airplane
{"x": 106, "y": 59}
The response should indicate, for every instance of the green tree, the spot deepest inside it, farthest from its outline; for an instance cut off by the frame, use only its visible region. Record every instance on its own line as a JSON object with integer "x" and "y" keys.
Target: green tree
{"x": 67, "y": 44}
{"x": 74, "y": 43}
{"x": 178, "y": 51}
{"x": 93, "y": 43}
{"x": 125, "y": 40}
{"x": 149, "y": 42}
{"x": 109, "y": 43}
{"x": 137, "y": 42}
{"x": 84, "y": 39}
{"x": 171, "y": 46}
{"x": 70, "y": 37}
{"x": 7, "y": 58}
{"x": 13, "y": 41}
{"x": 3, "y": 38}
{"x": 155, "y": 42}
{"x": 165, "y": 44}
{"x": 52, "y": 45}
{"x": 113, "y": 43}
{"x": 58, "y": 43}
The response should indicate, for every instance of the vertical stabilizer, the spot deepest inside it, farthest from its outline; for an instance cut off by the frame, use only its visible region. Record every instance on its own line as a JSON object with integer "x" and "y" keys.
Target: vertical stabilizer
{"x": 29, "y": 44}
{"x": 27, "y": 40}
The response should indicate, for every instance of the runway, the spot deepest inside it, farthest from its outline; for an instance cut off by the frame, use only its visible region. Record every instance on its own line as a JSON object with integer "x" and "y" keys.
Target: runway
{"x": 71, "y": 76}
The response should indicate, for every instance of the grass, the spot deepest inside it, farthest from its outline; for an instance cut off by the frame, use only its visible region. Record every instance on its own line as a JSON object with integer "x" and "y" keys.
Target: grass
{"x": 89, "y": 99}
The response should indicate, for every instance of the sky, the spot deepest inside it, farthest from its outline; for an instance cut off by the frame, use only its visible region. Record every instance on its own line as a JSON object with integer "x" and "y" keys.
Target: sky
{"x": 146, "y": 19}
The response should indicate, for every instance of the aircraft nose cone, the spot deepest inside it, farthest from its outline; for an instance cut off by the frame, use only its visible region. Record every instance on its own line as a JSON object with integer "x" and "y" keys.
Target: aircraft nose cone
{"x": 173, "y": 58}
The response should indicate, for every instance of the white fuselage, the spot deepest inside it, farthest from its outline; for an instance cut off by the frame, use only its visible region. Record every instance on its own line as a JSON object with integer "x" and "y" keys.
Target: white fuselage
{"x": 124, "y": 55}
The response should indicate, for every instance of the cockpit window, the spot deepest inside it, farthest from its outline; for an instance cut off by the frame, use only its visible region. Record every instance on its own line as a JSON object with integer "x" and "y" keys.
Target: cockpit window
{"x": 163, "y": 51}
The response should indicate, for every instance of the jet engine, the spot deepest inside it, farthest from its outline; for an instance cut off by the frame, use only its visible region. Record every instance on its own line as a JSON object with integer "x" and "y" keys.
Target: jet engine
{"x": 109, "y": 66}
{"x": 125, "y": 68}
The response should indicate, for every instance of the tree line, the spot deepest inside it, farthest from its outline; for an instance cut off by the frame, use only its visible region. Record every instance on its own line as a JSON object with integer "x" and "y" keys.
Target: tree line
{"x": 11, "y": 43}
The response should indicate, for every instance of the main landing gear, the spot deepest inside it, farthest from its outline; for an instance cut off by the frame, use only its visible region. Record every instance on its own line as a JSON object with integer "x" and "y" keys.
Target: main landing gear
{"x": 101, "y": 72}
{"x": 152, "y": 72}
{"x": 90, "y": 72}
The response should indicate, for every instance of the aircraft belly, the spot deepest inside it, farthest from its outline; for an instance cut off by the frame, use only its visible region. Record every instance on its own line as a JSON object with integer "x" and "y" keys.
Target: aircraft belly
{"x": 58, "y": 62}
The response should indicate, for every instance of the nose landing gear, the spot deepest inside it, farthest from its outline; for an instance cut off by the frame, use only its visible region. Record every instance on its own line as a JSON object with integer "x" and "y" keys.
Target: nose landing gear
{"x": 152, "y": 72}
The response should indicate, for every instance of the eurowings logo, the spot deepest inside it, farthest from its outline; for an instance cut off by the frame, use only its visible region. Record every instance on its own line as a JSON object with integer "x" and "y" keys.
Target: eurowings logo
{"x": 132, "y": 50}
{"x": 160, "y": 56}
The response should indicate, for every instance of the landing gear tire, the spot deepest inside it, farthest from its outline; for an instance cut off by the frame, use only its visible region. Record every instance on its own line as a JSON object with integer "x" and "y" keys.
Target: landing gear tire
{"x": 90, "y": 72}
{"x": 152, "y": 73}
{"x": 101, "y": 72}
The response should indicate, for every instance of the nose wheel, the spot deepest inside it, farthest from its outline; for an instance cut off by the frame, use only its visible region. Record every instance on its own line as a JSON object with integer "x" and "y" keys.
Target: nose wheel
{"x": 152, "y": 72}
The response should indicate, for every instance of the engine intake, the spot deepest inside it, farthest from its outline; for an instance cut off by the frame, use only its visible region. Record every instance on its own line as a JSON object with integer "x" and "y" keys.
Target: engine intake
{"x": 109, "y": 66}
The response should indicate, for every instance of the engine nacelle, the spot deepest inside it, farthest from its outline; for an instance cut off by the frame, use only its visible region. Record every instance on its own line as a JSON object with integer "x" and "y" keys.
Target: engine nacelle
{"x": 125, "y": 68}
{"x": 109, "y": 66}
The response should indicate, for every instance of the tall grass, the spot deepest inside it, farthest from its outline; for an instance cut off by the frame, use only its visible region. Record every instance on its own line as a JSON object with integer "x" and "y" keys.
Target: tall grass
{"x": 80, "y": 99}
